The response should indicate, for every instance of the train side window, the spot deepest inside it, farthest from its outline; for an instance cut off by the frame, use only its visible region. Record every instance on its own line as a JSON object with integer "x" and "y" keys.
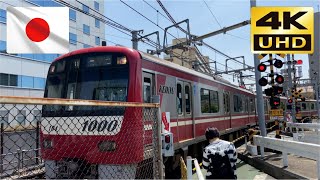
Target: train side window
{"x": 304, "y": 106}
{"x": 226, "y": 102}
{"x": 252, "y": 105}
{"x": 237, "y": 103}
{"x": 246, "y": 105}
{"x": 146, "y": 90}
{"x": 179, "y": 99}
{"x": 188, "y": 99}
{"x": 205, "y": 102}
{"x": 209, "y": 101}
{"x": 214, "y": 102}
{"x": 312, "y": 106}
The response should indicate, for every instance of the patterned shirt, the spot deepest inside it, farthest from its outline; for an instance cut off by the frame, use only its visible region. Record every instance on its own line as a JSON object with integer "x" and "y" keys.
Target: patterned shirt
{"x": 222, "y": 148}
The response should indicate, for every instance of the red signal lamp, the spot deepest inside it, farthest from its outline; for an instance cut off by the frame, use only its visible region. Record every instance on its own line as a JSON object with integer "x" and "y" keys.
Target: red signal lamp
{"x": 278, "y": 63}
{"x": 167, "y": 139}
{"x": 279, "y": 79}
{"x": 262, "y": 67}
{"x": 299, "y": 62}
{"x": 290, "y": 101}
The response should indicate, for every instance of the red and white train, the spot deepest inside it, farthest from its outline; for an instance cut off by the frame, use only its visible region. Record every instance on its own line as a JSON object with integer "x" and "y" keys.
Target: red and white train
{"x": 195, "y": 101}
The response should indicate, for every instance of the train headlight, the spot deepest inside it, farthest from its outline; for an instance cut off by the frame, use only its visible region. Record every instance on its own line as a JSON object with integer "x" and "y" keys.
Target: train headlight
{"x": 47, "y": 144}
{"x": 107, "y": 146}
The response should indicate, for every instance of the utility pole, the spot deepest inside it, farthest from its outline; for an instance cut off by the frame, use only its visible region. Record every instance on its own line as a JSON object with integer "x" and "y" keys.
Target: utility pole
{"x": 135, "y": 39}
{"x": 259, "y": 95}
{"x": 290, "y": 87}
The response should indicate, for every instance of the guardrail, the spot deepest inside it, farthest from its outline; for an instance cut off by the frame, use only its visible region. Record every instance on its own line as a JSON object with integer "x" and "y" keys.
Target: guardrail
{"x": 189, "y": 168}
{"x": 303, "y": 126}
{"x": 308, "y": 150}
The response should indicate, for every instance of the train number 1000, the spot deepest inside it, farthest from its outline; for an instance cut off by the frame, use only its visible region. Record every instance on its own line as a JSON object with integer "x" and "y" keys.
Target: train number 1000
{"x": 100, "y": 126}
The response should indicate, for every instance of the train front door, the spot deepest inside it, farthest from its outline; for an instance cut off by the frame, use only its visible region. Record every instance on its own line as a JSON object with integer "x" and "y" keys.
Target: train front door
{"x": 184, "y": 110}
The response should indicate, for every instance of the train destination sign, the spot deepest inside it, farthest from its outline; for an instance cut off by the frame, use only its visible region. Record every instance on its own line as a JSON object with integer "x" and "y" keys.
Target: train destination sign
{"x": 282, "y": 30}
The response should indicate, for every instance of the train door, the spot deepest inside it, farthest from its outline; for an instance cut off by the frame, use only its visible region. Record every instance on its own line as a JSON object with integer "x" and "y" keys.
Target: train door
{"x": 226, "y": 103}
{"x": 184, "y": 110}
{"x": 148, "y": 89}
{"x": 246, "y": 110}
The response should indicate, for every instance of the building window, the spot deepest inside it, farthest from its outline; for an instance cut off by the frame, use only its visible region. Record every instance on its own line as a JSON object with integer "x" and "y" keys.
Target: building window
{"x": 86, "y": 29}
{"x": 13, "y": 80}
{"x": 86, "y": 46}
{"x": 97, "y": 41}
{"x": 27, "y": 81}
{"x": 72, "y": 15}
{"x": 38, "y": 83}
{"x": 37, "y": 115}
{"x": 3, "y": 46}
{"x": 72, "y": 38}
{"x": 4, "y": 79}
{"x": 21, "y": 117}
{"x": 85, "y": 8}
{"x": 4, "y": 117}
{"x": 209, "y": 101}
{"x": 3, "y": 16}
{"x": 97, "y": 23}
{"x": 96, "y": 5}
{"x": 46, "y": 3}
{"x": 237, "y": 103}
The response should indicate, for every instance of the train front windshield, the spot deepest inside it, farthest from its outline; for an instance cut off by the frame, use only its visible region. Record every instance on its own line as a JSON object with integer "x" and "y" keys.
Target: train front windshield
{"x": 98, "y": 76}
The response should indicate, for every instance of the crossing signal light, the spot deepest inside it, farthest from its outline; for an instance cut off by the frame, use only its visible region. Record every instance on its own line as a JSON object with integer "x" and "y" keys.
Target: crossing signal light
{"x": 278, "y": 90}
{"x": 268, "y": 91}
{"x": 279, "y": 79}
{"x": 262, "y": 67}
{"x": 290, "y": 101}
{"x": 274, "y": 101}
{"x": 298, "y": 62}
{"x": 278, "y": 63}
{"x": 263, "y": 81}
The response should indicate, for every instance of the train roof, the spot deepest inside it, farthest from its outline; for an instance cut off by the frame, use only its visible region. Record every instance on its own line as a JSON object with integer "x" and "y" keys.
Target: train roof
{"x": 175, "y": 66}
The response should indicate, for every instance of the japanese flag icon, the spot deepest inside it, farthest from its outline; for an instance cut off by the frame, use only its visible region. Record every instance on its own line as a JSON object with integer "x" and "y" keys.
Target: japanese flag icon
{"x": 38, "y": 30}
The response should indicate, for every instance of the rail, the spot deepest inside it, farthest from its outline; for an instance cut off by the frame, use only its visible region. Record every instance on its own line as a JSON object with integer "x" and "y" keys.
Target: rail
{"x": 307, "y": 150}
{"x": 71, "y": 102}
{"x": 189, "y": 168}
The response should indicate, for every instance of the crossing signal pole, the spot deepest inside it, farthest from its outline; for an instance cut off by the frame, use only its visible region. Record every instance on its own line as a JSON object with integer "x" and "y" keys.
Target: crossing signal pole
{"x": 275, "y": 90}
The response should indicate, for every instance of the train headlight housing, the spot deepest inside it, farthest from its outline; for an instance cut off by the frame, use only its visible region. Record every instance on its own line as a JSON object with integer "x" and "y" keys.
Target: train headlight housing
{"x": 107, "y": 146}
{"x": 47, "y": 144}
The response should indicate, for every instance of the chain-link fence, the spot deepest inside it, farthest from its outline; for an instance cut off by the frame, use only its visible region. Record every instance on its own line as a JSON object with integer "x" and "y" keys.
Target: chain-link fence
{"x": 57, "y": 138}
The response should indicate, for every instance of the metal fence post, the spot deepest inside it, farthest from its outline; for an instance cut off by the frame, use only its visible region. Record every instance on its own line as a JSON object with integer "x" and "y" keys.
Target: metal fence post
{"x": 1, "y": 148}
{"x": 19, "y": 160}
{"x": 189, "y": 167}
{"x": 37, "y": 143}
{"x": 157, "y": 157}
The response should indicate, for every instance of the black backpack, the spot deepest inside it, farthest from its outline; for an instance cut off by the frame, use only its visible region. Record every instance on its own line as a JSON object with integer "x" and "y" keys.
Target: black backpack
{"x": 220, "y": 167}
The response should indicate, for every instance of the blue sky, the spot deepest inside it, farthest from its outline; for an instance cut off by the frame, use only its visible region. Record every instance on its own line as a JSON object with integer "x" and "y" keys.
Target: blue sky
{"x": 226, "y": 12}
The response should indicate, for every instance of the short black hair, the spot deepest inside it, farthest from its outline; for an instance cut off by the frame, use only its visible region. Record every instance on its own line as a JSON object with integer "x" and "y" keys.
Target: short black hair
{"x": 211, "y": 133}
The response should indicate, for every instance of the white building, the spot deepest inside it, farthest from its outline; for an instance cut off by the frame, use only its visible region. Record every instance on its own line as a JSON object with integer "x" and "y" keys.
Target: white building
{"x": 25, "y": 74}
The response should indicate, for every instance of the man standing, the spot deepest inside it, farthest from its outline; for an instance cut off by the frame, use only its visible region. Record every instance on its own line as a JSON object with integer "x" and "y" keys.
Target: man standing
{"x": 219, "y": 157}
